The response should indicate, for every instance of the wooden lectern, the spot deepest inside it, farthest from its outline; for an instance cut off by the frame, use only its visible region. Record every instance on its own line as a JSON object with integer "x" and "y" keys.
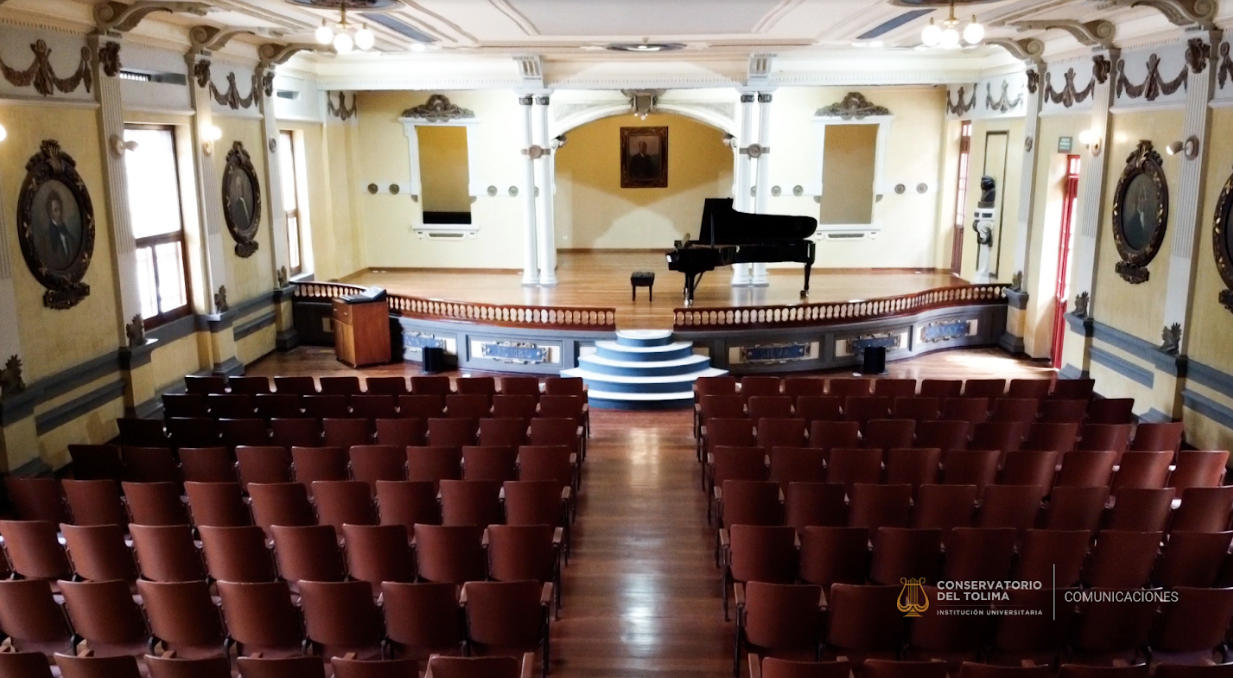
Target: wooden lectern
{"x": 362, "y": 332}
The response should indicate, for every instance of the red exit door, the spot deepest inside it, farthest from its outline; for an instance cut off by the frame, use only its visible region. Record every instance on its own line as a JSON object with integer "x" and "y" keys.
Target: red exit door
{"x": 1061, "y": 295}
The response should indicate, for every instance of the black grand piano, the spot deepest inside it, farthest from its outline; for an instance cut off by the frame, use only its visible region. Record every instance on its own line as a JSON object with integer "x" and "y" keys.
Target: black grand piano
{"x": 729, "y": 237}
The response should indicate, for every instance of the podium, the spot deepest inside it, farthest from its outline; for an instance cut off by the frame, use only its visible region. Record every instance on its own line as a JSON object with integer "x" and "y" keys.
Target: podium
{"x": 362, "y": 330}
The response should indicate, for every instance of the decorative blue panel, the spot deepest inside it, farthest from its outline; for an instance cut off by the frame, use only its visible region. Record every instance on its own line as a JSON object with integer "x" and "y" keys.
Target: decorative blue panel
{"x": 774, "y": 353}
{"x": 857, "y": 345}
{"x": 420, "y": 340}
{"x": 944, "y": 331}
{"x": 514, "y": 352}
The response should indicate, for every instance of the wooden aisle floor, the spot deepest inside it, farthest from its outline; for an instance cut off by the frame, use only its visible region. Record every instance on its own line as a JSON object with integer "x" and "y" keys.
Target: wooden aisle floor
{"x": 642, "y": 593}
{"x": 597, "y": 278}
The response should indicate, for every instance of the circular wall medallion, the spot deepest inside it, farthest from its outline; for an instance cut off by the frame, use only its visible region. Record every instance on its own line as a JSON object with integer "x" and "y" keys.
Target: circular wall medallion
{"x": 394, "y": 189}
{"x": 373, "y": 188}
{"x": 492, "y": 191}
{"x": 776, "y": 191}
{"x": 1140, "y": 212}
{"x": 55, "y": 226}
{"x": 798, "y": 190}
{"x": 513, "y": 191}
{"x": 241, "y": 200}
{"x": 1222, "y": 242}
{"x": 900, "y": 189}
{"x": 273, "y": 144}
{"x": 922, "y": 188}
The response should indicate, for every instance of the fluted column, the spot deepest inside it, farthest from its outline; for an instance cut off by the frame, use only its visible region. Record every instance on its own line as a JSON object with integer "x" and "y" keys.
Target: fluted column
{"x": 18, "y": 434}
{"x": 546, "y": 233}
{"x": 762, "y": 201}
{"x": 1196, "y": 133}
{"x": 744, "y": 177}
{"x": 530, "y": 265}
{"x": 1016, "y": 314}
{"x": 115, "y": 183}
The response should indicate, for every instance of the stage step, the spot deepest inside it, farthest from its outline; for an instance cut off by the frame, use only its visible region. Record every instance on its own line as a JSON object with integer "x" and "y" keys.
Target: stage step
{"x": 642, "y": 370}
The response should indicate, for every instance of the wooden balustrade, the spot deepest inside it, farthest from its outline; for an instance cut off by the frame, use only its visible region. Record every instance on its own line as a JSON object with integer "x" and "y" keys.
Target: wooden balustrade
{"x": 504, "y": 315}
{"x": 835, "y": 312}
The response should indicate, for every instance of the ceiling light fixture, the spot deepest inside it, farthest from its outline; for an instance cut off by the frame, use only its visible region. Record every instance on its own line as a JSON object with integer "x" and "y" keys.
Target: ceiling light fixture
{"x": 947, "y": 34}
{"x": 344, "y": 39}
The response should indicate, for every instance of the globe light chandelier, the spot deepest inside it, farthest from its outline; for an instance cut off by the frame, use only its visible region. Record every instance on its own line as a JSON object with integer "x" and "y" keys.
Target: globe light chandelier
{"x": 345, "y": 38}
{"x": 947, "y": 34}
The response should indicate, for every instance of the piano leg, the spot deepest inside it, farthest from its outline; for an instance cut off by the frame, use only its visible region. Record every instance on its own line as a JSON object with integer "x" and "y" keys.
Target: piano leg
{"x": 805, "y": 292}
{"x": 691, "y": 284}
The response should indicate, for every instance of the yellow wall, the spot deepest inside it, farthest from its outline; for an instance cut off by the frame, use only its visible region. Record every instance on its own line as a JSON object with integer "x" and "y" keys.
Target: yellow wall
{"x": 337, "y": 244}
{"x": 1137, "y": 309}
{"x": 254, "y": 275}
{"x": 55, "y": 340}
{"x": 443, "y": 169}
{"x": 848, "y": 174}
{"x": 593, "y": 211}
{"x": 1211, "y": 324}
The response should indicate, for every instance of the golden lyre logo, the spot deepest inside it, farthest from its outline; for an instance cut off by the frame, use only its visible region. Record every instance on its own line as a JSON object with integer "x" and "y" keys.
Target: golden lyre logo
{"x": 912, "y": 599}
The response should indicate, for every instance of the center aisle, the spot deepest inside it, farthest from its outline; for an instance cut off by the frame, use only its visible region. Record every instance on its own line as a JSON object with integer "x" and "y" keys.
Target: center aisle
{"x": 641, "y": 590}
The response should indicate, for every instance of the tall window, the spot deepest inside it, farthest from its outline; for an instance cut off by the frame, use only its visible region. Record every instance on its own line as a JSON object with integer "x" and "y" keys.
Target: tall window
{"x": 961, "y": 195}
{"x": 158, "y": 222}
{"x": 290, "y": 170}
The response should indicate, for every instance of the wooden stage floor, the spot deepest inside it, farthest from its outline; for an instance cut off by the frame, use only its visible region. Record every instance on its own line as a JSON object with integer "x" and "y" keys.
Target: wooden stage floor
{"x": 602, "y": 279}
{"x": 642, "y": 593}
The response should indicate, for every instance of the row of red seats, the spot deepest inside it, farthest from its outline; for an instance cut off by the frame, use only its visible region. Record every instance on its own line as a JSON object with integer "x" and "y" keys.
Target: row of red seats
{"x": 749, "y": 502}
{"x": 390, "y": 385}
{"x": 772, "y": 667}
{"x": 279, "y": 406}
{"x": 287, "y": 433}
{"x": 321, "y": 621}
{"x": 168, "y": 665}
{"x": 862, "y": 623}
{"x": 924, "y": 466}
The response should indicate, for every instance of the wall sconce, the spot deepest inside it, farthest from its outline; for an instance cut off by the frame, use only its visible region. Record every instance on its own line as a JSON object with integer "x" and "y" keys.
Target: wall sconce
{"x": 730, "y": 140}
{"x": 1090, "y": 141}
{"x": 4, "y": 134}
{"x": 1189, "y": 147}
{"x": 210, "y": 134}
{"x": 119, "y": 145}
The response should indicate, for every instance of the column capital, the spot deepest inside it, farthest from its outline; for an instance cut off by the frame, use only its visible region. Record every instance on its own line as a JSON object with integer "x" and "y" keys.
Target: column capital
{"x": 541, "y": 99}
{"x": 526, "y": 99}
{"x": 747, "y": 98}
{"x": 764, "y": 97}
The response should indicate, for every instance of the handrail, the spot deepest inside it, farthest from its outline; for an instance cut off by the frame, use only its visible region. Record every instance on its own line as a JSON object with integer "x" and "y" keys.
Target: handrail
{"x": 504, "y": 315}
{"x": 829, "y": 313}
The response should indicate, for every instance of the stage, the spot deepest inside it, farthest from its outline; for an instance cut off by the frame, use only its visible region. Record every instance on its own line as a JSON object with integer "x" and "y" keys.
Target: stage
{"x": 599, "y": 278}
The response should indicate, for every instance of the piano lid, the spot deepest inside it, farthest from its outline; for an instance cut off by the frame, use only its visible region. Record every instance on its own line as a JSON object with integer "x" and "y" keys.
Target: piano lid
{"x": 723, "y": 225}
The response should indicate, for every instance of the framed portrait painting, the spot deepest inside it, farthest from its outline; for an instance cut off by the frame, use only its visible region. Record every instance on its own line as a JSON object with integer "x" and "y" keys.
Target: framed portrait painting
{"x": 644, "y": 157}
{"x": 1222, "y": 242}
{"x": 1140, "y": 213}
{"x": 55, "y": 221}
{"x": 241, "y": 200}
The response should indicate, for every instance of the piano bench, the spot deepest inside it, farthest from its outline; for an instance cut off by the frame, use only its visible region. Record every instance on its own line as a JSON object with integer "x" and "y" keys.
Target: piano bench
{"x": 642, "y": 279}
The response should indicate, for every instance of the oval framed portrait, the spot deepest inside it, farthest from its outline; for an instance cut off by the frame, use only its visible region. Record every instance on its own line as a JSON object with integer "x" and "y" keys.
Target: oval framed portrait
{"x": 1222, "y": 242}
{"x": 1140, "y": 212}
{"x": 55, "y": 223}
{"x": 241, "y": 200}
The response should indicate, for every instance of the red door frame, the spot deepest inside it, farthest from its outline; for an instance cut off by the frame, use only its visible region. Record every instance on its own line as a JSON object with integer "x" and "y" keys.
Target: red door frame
{"x": 1061, "y": 297}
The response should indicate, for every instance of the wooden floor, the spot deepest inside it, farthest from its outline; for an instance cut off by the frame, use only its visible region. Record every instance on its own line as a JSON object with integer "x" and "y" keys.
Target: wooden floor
{"x": 602, "y": 279}
{"x": 642, "y": 591}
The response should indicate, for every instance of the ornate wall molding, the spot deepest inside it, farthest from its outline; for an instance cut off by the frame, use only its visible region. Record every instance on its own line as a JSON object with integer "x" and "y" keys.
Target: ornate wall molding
{"x": 42, "y": 76}
{"x": 1030, "y": 50}
{"x": 437, "y": 109}
{"x": 121, "y": 18}
{"x": 342, "y": 110}
{"x": 962, "y": 107}
{"x": 109, "y": 58}
{"x": 1033, "y": 81}
{"x": 1004, "y": 104}
{"x": 1198, "y": 54}
{"x": 853, "y": 107}
{"x": 1070, "y": 95}
{"x": 1226, "y": 65}
{"x": 1178, "y": 12}
{"x": 1153, "y": 86}
{"x": 231, "y": 97}
{"x": 1091, "y": 33}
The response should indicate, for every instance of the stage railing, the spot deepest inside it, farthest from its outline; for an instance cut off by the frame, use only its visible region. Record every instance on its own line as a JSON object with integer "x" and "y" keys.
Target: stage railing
{"x": 504, "y": 315}
{"x": 804, "y": 315}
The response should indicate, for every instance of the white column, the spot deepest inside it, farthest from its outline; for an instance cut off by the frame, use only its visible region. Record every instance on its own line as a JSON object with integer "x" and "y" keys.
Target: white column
{"x": 546, "y": 234}
{"x": 1027, "y": 181}
{"x": 530, "y": 267}
{"x": 1187, "y": 219}
{"x": 762, "y": 201}
{"x": 280, "y": 254}
{"x": 744, "y": 177}
{"x": 115, "y": 182}
{"x": 208, "y": 188}
{"x": 1093, "y": 177}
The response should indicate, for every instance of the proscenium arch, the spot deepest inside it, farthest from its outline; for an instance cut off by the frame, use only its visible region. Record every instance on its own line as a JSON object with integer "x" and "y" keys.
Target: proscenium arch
{"x": 697, "y": 113}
